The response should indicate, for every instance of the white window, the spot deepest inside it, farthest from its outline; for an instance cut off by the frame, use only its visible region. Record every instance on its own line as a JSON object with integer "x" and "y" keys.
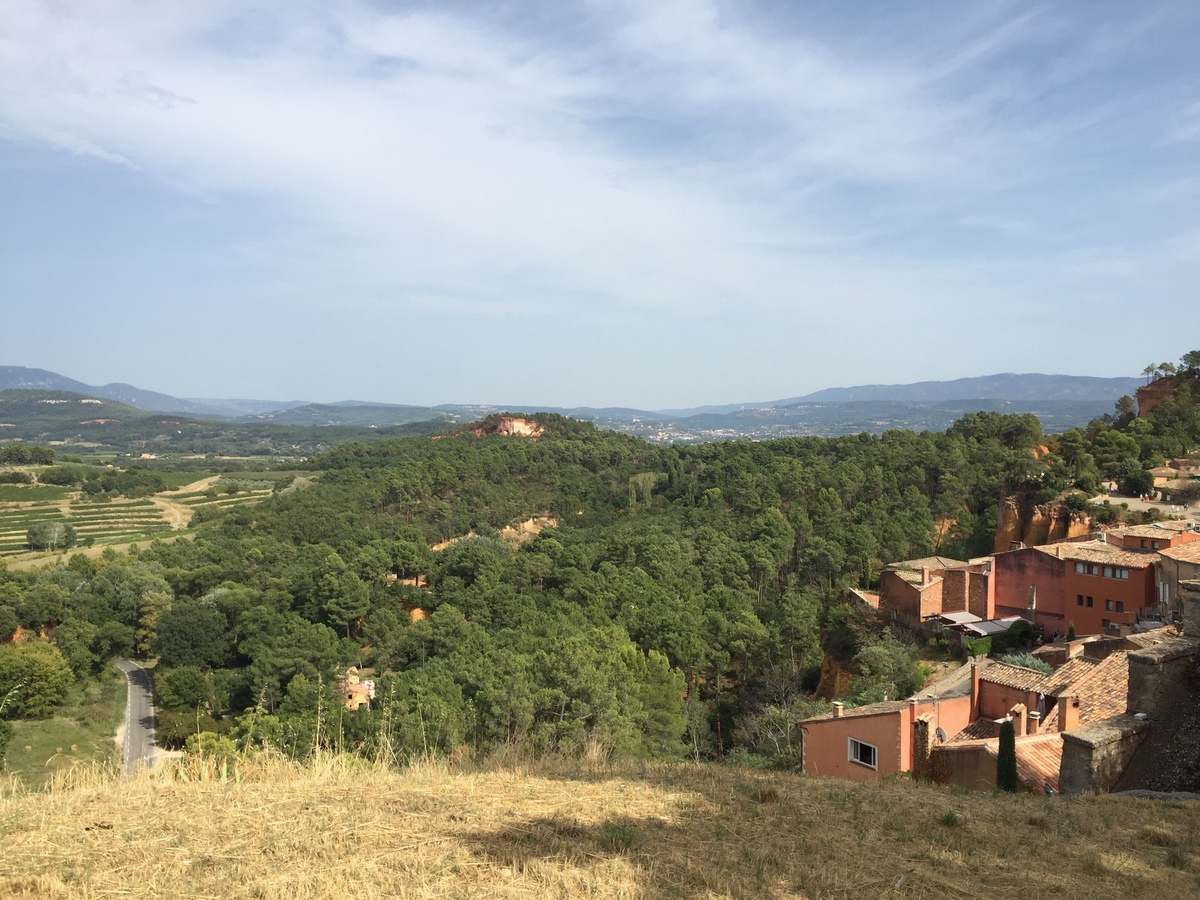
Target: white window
{"x": 1086, "y": 569}
{"x": 1112, "y": 572}
{"x": 863, "y": 754}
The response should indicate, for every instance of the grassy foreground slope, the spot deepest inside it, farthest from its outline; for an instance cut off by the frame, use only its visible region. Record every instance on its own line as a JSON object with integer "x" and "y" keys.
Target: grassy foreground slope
{"x": 344, "y": 828}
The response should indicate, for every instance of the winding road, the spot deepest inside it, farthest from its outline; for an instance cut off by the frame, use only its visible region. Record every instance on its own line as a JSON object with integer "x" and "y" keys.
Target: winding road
{"x": 138, "y": 746}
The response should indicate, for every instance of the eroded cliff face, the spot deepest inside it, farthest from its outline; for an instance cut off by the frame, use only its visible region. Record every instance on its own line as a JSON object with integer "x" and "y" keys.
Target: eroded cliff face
{"x": 1019, "y": 520}
{"x": 835, "y": 679}
{"x": 529, "y": 428}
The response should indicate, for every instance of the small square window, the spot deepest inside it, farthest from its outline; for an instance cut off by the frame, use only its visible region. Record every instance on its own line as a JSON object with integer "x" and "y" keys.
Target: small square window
{"x": 1089, "y": 602}
{"x": 1120, "y": 606}
{"x": 1079, "y": 599}
{"x": 1108, "y": 605}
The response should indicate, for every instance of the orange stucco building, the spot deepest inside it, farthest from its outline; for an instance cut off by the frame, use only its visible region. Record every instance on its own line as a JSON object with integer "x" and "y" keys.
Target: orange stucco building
{"x": 871, "y": 742}
{"x": 913, "y": 591}
{"x": 1090, "y": 584}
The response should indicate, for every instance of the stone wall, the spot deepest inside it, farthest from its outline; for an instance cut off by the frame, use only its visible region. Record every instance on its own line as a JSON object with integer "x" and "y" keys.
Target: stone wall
{"x": 1154, "y": 674}
{"x": 1095, "y": 756}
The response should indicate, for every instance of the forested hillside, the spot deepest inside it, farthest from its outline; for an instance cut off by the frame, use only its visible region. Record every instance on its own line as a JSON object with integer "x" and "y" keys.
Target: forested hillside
{"x": 679, "y": 604}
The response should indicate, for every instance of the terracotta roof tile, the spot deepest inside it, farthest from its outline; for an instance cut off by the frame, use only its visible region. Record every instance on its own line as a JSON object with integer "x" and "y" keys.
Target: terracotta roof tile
{"x": 1163, "y": 529}
{"x": 1038, "y": 761}
{"x": 1102, "y": 692}
{"x": 1100, "y": 552}
{"x": 1068, "y": 673}
{"x": 1189, "y": 552}
{"x": 914, "y": 578}
{"x": 979, "y": 730}
{"x": 1014, "y": 677}
{"x": 871, "y": 709}
{"x": 1039, "y": 758}
{"x": 928, "y": 562}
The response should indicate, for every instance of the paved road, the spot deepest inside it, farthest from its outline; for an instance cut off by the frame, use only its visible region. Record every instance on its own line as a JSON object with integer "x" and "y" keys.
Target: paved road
{"x": 139, "y": 719}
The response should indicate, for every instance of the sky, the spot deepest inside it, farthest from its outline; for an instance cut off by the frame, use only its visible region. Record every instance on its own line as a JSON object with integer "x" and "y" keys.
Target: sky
{"x": 608, "y": 203}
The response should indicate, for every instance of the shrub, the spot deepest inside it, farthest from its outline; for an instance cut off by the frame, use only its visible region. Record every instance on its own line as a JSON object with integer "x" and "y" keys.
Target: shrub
{"x": 1027, "y": 661}
{"x": 979, "y": 646}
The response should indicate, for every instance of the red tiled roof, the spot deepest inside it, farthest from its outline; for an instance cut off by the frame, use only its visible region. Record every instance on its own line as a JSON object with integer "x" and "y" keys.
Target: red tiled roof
{"x": 871, "y": 709}
{"x": 979, "y": 730}
{"x": 1015, "y": 677}
{"x": 1188, "y": 553}
{"x": 1161, "y": 530}
{"x": 1039, "y": 757}
{"x": 1102, "y": 692}
{"x": 1100, "y": 552}
{"x": 1068, "y": 673}
{"x": 1038, "y": 761}
{"x": 928, "y": 562}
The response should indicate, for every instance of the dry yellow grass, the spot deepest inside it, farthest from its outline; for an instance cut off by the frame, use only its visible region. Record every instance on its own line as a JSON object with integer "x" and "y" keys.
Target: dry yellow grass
{"x": 342, "y": 828}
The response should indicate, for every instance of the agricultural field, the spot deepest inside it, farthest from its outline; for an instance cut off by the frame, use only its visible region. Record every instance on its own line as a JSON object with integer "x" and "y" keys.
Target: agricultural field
{"x": 79, "y": 734}
{"x": 123, "y": 521}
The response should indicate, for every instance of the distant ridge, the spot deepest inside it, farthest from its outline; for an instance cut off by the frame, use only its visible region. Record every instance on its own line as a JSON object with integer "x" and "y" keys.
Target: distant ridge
{"x": 1062, "y": 401}
{"x": 22, "y": 378}
{"x": 1006, "y": 386}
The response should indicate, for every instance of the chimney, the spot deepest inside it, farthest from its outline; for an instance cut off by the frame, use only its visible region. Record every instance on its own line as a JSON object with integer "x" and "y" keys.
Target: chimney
{"x": 838, "y": 707}
{"x": 1068, "y": 713}
{"x": 997, "y": 724}
{"x": 1035, "y": 722}
{"x": 912, "y": 710}
{"x": 1189, "y": 598}
{"x": 924, "y": 575}
{"x": 1017, "y": 713}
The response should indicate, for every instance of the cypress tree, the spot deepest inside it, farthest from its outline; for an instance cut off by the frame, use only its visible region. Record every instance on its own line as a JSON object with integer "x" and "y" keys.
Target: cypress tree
{"x": 1006, "y": 760}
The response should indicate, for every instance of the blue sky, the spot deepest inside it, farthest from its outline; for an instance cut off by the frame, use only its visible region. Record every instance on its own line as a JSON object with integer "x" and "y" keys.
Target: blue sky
{"x": 654, "y": 204}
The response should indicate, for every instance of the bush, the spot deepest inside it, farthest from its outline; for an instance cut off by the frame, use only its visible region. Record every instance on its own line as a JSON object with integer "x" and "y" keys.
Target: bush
{"x": 15, "y": 477}
{"x": 981, "y": 646}
{"x": 1027, "y": 661}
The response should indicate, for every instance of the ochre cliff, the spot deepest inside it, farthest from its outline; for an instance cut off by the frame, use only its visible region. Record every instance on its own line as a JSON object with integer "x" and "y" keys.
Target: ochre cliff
{"x": 1036, "y": 525}
{"x": 835, "y": 679}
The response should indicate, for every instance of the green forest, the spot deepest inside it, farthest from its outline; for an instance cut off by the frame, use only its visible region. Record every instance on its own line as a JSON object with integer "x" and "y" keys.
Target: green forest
{"x": 679, "y": 606}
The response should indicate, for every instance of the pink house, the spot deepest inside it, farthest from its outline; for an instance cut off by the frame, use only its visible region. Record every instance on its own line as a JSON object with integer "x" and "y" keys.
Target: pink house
{"x": 868, "y": 743}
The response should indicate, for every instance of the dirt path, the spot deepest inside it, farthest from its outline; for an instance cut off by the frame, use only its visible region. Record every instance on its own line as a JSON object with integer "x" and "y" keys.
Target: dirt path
{"x": 177, "y": 515}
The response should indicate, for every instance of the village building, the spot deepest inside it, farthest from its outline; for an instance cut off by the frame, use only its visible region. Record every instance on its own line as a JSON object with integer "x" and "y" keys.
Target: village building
{"x": 913, "y": 592}
{"x": 356, "y": 692}
{"x": 951, "y": 735}
{"x": 1176, "y": 564}
{"x": 1092, "y": 585}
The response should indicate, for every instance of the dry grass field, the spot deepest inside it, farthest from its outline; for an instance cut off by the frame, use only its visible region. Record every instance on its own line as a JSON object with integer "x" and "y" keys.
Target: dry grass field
{"x": 342, "y": 828}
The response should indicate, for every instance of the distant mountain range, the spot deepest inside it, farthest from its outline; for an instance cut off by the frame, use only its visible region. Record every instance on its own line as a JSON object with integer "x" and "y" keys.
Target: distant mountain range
{"x": 1061, "y": 401}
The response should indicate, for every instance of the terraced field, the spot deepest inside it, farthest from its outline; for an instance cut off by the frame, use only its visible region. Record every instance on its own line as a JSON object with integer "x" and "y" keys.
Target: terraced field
{"x": 112, "y": 522}
{"x": 118, "y": 521}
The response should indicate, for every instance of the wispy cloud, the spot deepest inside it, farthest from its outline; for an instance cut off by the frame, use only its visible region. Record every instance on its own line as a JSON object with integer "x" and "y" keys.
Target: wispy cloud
{"x": 675, "y": 156}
